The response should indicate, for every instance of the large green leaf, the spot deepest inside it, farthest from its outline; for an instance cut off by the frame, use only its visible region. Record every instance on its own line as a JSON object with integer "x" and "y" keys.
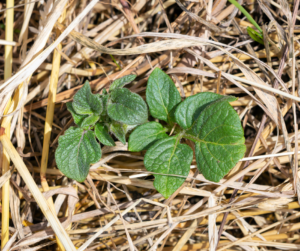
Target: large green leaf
{"x": 103, "y": 136}
{"x": 213, "y": 108}
{"x": 189, "y": 110}
{"x": 167, "y": 156}
{"x": 145, "y": 135}
{"x": 78, "y": 119}
{"x": 219, "y": 139}
{"x": 85, "y": 102}
{"x": 127, "y": 107}
{"x": 77, "y": 149}
{"x": 121, "y": 82}
{"x": 161, "y": 95}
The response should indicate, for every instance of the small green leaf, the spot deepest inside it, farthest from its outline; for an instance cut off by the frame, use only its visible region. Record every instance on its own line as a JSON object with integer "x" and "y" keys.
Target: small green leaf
{"x": 127, "y": 107}
{"x": 189, "y": 110}
{"x": 78, "y": 119}
{"x": 104, "y": 117}
{"x": 161, "y": 95}
{"x": 121, "y": 82}
{"x": 247, "y": 15}
{"x": 90, "y": 120}
{"x": 167, "y": 156}
{"x": 119, "y": 130}
{"x": 256, "y": 36}
{"x": 219, "y": 139}
{"x": 145, "y": 135}
{"x": 103, "y": 136}
{"x": 77, "y": 149}
{"x": 85, "y": 102}
{"x": 104, "y": 98}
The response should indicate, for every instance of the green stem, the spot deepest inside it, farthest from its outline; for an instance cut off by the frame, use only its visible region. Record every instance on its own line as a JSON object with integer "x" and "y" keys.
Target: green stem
{"x": 191, "y": 137}
{"x": 247, "y": 15}
{"x": 112, "y": 57}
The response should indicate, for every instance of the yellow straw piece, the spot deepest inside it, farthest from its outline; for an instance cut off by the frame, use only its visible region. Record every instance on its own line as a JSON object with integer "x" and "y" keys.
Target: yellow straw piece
{"x": 49, "y": 120}
{"x": 6, "y": 121}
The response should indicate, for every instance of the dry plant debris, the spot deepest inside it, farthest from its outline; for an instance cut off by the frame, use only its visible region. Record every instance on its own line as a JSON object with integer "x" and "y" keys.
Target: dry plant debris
{"x": 50, "y": 48}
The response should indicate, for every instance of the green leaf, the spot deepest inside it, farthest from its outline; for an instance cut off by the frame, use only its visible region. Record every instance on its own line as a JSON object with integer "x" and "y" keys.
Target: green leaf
{"x": 104, "y": 117}
{"x": 256, "y": 36}
{"x": 103, "y": 136}
{"x": 219, "y": 139}
{"x": 90, "y": 120}
{"x": 145, "y": 135}
{"x": 105, "y": 99}
{"x": 78, "y": 119}
{"x": 217, "y": 104}
{"x": 85, "y": 102}
{"x": 171, "y": 116}
{"x": 121, "y": 82}
{"x": 247, "y": 15}
{"x": 189, "y": 110}
{"x": 167, "y": 156}
{"x": 161, "y": 95}
{"x": 119, "y": 130}
{"x": 77, "y": 149}
{"x": 127, "y": 107}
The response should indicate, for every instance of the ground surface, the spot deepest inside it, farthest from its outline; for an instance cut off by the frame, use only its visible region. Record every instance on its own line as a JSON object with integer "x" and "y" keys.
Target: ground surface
{"x": 255, "y": 206}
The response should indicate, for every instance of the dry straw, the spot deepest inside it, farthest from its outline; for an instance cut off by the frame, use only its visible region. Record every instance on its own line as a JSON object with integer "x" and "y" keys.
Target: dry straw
{"x": 203, "y": 46}
{"x": 8, "y": 54}
{"x": 49, "y": 121}
{"x": 39, "y": 198}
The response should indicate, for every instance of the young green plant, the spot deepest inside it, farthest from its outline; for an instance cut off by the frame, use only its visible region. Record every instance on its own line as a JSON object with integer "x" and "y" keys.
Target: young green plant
{"x": 256, "y": 36}
{"x": 96, "y": 116}
{"x": 206, "y": 119}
